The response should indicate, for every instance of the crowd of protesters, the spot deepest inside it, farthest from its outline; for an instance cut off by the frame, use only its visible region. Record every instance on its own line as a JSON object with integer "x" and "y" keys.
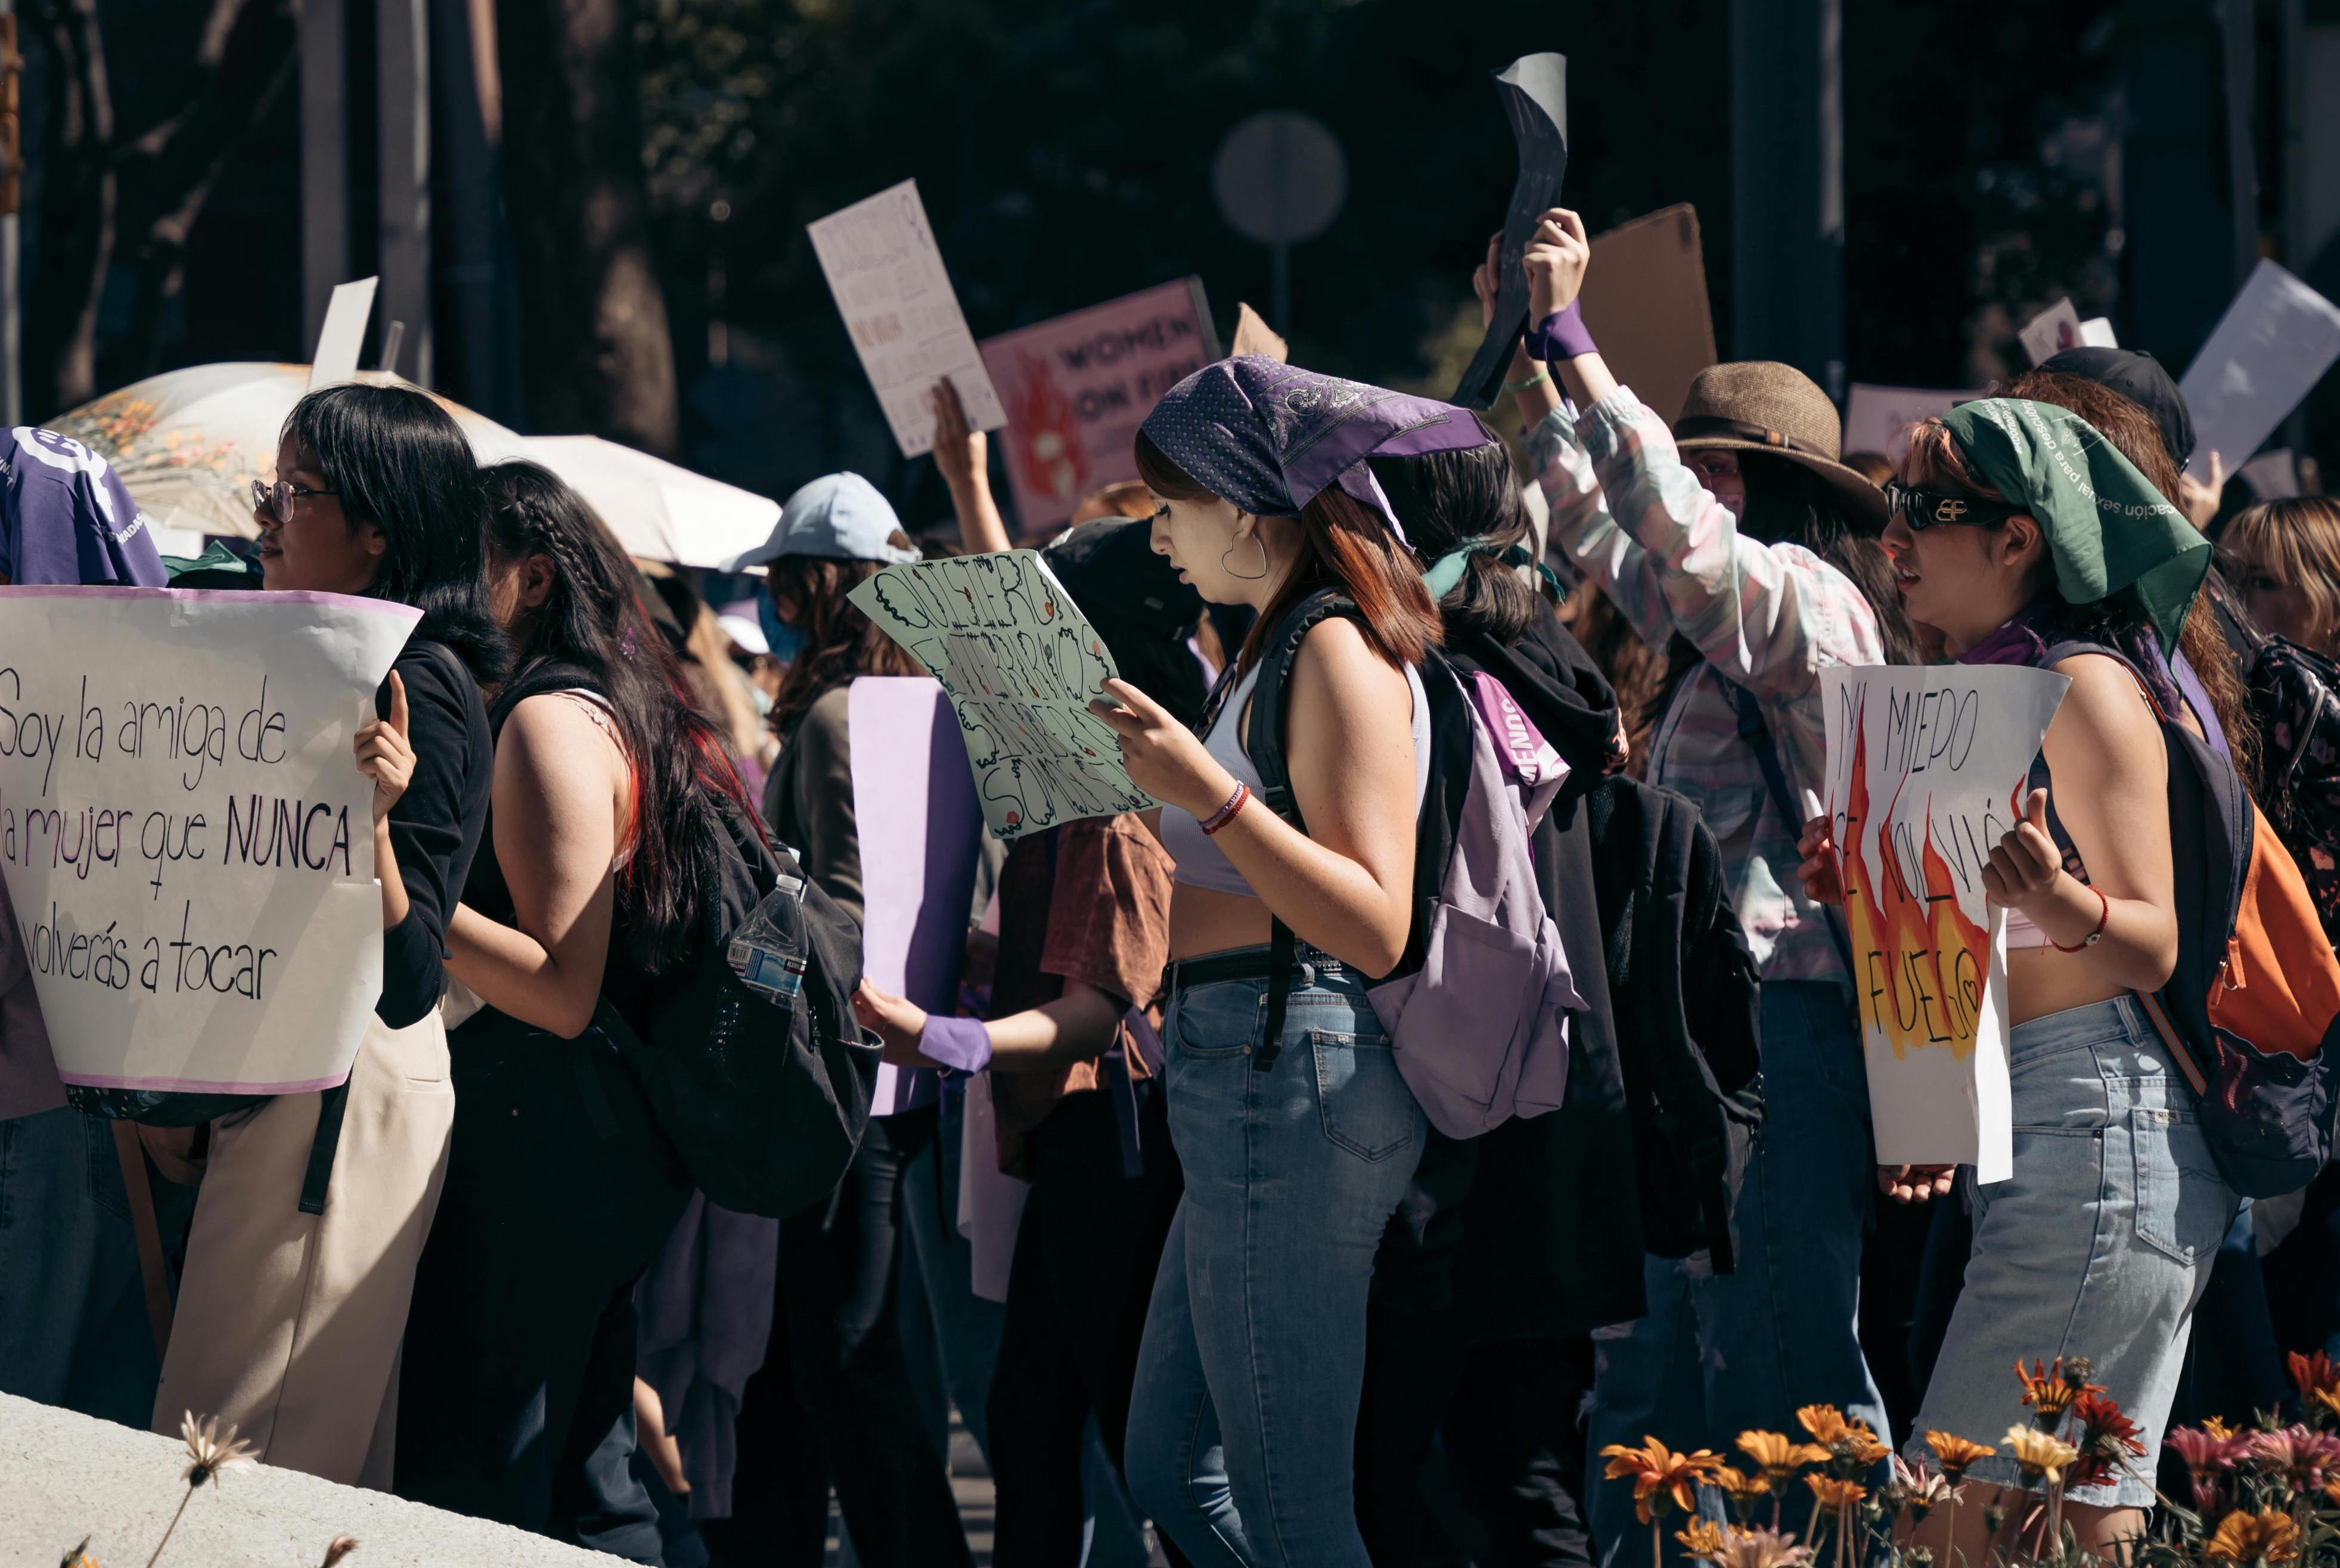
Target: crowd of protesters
{"x": 1259, "y": 1310}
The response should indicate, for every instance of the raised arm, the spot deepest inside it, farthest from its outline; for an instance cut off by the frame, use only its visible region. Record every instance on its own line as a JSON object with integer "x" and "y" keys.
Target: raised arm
{"x": 561, "y": 790}
{"x": 963, "y": 453}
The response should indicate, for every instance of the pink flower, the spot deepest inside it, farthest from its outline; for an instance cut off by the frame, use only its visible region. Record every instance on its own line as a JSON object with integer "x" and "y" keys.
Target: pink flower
{"x": 2302, "y": 1455}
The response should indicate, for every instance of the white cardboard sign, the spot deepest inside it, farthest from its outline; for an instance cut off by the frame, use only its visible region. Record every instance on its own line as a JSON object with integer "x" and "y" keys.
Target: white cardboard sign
{"x": 2263, "y": 357}
{"x": 1927, "y": 771}
{"x": 887, "y": 274}
{"x": 186, "y": 837}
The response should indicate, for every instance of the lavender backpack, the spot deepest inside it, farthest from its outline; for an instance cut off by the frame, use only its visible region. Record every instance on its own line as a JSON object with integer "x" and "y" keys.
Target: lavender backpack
{"x": 1477, "y": 1009}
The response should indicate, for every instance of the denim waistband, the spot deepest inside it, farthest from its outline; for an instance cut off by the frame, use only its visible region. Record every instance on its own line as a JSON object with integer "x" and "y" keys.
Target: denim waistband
{"x": 1310, "y": 967}
{"x": 2117, "y": 1018}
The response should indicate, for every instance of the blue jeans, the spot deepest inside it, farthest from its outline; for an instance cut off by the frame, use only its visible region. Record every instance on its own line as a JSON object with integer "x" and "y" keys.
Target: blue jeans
{"x": 1242, "y": 1432}
{"x": 1719, "y": 1354}
{"x": 73, "y": 1312}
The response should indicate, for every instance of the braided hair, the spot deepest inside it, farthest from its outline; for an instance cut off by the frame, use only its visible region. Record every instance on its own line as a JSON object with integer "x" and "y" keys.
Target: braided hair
{"x": 593, "y": 619}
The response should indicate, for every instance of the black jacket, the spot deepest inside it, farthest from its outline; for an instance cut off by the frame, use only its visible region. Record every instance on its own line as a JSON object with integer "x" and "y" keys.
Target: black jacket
{"x": 435, "y": 826}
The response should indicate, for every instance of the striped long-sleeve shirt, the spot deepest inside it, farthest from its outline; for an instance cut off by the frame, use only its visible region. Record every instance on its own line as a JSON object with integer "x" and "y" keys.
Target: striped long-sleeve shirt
{"x": 1768, "y": 617}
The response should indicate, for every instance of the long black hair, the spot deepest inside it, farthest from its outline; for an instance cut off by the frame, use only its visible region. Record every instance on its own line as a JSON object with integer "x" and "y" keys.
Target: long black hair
{"x": 1788, "y": 504}
{"x": 397, "y": 459}
{"x": 1439, "y": 495}
{"x": 593, "y": 619}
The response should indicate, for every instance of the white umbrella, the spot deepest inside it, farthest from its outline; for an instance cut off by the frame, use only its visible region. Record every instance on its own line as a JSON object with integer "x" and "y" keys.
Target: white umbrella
{"x": 660, "y": 511}
{"x": 189, "y": 442}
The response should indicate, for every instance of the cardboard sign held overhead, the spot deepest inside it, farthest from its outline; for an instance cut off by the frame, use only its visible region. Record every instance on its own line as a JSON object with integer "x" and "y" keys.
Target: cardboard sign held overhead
{"x": 886, "y": 274}
{"x": 1534, "y": 89}
{"x": 1645, "y": 303}
{"x": 1254, "y": 336}
{"x": 343, "y": 337}
{"x": 2266, "y": 354}
{"x": 1076, "y": 388}
{"x": 2051, "y": 332}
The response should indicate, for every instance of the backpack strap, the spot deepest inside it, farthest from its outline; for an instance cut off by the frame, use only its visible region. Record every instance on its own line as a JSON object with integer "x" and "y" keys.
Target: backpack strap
{"x": 1756, "y": 731}
{"x": 1263, "y": 743}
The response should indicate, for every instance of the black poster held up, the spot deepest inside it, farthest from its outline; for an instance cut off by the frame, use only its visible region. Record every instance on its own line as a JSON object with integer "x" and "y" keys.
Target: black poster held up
{"x": 1534, "y": 90}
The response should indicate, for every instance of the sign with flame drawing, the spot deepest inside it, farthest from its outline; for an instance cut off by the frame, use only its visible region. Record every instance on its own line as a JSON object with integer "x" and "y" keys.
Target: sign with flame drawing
{"x": 1021, "y": 665}
{"x": 1926, "y": 769}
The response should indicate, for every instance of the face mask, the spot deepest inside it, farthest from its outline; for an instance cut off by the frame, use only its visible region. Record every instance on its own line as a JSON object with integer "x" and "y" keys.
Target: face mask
{"x": 786, "y": 641}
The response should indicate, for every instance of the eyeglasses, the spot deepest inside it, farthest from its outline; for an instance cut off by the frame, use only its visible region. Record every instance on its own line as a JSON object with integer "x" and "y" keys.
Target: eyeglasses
{"x": 1923, "y": 508}
{"x": 277, "y": 501}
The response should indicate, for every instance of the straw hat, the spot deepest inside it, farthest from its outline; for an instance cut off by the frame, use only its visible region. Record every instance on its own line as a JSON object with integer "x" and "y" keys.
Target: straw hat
{"x": 1759, "y": 405}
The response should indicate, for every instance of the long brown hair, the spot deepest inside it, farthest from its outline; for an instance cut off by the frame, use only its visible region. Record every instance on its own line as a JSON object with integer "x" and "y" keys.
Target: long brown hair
{"x": 2297, "y": 541}
{"x": 839, "y": 641}
{"x": 2136, "y": 436}
{"x": 1344, "y": 545}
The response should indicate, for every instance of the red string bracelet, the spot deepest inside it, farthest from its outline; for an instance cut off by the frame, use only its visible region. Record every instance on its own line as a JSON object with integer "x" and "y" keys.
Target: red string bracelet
{"x": 1226, "y": 813}
{"x": 2104, "y": 918}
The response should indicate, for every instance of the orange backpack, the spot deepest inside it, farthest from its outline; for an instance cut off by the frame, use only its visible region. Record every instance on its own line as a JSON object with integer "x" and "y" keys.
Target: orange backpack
{"x": 2249, "y": 1014}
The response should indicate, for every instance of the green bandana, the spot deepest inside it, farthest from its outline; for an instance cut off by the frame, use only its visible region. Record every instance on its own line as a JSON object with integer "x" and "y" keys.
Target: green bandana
{"x": 2105, "y": 524}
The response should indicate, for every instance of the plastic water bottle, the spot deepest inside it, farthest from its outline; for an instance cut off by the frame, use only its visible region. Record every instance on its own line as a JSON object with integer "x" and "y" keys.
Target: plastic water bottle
{"x": 767, "y": 952}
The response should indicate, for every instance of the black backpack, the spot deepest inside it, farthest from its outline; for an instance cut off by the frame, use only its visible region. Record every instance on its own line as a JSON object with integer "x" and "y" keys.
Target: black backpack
{"x": 1685, "y": 994}
{"x": 766, "y": 1104}
{"x": 2295, "y": 698}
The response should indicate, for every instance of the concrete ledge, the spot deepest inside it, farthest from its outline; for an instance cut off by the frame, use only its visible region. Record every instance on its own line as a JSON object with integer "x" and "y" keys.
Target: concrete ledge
{"x": 63, "y": 1476}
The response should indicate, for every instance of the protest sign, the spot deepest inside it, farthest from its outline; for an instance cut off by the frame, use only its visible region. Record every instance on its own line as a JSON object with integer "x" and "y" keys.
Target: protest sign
{"x": 1021, "y": 665}
{"x": 2096, "y": 332}
{"x": 2263, "y": 357}
{"x": 2051, "y": 332}
{"x": 1926, "y": 772}
{"x": 1877, "y": 419}
{"x": 1534, "y": 91}
{"x": 1645, "y": 303}
{"x": 1076, "y": 388}
{"x": 918, "y": 828}
{"x": 341, "y": 339}
{"x": 185, "y": 835}
{"x": 887, "y": 274}
{"x": 1254, "y": 336}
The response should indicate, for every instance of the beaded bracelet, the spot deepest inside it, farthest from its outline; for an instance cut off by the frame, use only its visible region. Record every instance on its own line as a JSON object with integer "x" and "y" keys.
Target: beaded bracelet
{"x": 1226, "y": 813}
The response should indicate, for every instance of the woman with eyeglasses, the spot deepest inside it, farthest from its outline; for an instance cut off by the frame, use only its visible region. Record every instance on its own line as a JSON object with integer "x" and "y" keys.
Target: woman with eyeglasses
{"x": 289, "y": 1323}
{"x": 2018, "y": 527}
{"x": 1738, "y": 543}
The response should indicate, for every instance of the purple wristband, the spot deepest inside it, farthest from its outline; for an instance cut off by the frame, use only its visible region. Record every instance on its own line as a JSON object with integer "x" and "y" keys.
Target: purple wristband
{"x": 962, "y": 1045}
{"x": 1562, "y": 335}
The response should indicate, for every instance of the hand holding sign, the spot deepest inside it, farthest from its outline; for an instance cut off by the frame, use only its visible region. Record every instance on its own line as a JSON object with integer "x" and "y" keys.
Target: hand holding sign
{"x": 384, "y": 754}
{"x": 2026, "y": 861}
{"x": 1165, "y": 759}
{"x": 1556, "y": 257}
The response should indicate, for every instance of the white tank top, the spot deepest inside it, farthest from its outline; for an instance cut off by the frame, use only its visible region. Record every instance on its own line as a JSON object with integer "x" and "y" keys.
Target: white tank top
{"x": 1201, "y": 862}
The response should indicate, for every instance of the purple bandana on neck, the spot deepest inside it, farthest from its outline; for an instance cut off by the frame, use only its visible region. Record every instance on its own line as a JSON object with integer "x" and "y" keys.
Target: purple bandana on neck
{"x": 2023, "y": 640}
{"x": 1270, "y": 437}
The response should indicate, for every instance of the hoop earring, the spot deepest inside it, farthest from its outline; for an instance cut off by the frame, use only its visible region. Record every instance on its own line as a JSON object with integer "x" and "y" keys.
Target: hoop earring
{"x": 1258, "y": 544}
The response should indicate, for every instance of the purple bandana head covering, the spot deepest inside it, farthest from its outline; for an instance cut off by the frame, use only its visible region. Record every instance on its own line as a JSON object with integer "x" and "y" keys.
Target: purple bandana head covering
{"x": 1270, "y": 437}
{"x": 65, "y": 517}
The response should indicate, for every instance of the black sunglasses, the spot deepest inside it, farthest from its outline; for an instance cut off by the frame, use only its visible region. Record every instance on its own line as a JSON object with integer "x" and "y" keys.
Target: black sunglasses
{"x": 1922, "y": 508}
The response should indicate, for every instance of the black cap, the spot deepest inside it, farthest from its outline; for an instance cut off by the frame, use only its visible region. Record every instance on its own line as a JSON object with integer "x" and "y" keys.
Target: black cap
{"x": 2138, "y": 377}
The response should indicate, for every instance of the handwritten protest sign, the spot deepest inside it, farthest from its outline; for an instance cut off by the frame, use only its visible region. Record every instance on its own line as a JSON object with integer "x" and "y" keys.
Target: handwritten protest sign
{"x": 887, "y": 274}
{"x": 1534, "y": 91}
{"x": 186, "y": 837}
{"x": 1927, "y": 771}
{"x": 1021, "y": 665}
{"x": 1077, "y": 387}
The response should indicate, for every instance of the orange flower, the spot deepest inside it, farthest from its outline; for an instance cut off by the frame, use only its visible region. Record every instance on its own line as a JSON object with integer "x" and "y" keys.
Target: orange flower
{"x": 2039, "y": 1455}
{"x": 1841, "y": 1438}
{"x": 1955, "y": 1455}
{"x": 1658, "y": 1472}
{"x": 2049, "y": 1392}
{"x": 1834, "y": 1494}
{"x": 1780, "y": 1457}
{"x": 2270, "y": 1536}
{"x": 2314, "y": 1375}
{"x": 2218, "y": 1428}
{"x": 1703, "y": 1539}
{"x": 1740, "y": 1486}
{"x": 1825, "y": 1423}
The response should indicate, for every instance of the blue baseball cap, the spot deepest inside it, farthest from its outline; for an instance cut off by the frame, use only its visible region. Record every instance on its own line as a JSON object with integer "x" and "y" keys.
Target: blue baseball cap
{"x": 839, "y": 515}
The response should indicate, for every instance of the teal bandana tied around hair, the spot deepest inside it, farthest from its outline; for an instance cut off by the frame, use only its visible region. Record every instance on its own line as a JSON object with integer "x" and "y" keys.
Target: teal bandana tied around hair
{"x": 2106, "y": 527}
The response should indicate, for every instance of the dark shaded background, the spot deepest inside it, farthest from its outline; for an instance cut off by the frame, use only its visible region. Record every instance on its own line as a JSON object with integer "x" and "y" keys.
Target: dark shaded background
{"x": 1997, "y": 156}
